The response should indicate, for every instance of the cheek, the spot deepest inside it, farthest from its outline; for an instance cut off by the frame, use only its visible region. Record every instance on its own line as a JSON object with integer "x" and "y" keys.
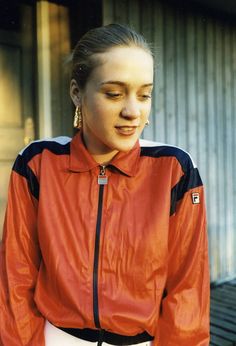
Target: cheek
{"x": 91, "y": 110}
{"x": 145, "y": 112}
{"x": 97, "y": 116}
{"x": 104, "y": 111}
{"x": 149, "y": 106}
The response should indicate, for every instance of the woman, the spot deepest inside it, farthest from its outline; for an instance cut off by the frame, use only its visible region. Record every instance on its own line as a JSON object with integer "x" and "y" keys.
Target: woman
{"x": 104, "y": 238}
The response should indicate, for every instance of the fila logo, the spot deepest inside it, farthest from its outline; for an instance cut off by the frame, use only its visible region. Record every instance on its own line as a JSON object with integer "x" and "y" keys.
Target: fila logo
{"x": 196, "y": 198}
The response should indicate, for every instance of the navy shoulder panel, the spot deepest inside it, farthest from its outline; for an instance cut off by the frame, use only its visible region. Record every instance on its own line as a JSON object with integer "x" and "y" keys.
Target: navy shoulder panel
{"x": 189, "y": 180}
{"x": 58, "y": 145}
{"x": 169, "y": 151}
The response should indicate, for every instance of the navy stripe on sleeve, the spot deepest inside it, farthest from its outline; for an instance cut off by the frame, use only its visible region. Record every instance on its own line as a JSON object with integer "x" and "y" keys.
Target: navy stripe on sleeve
{"x": 24, "y": 170}
{"x": 190, "y": 178}
{"x": 189, "y": 181}
{"x": 58, "y": 146}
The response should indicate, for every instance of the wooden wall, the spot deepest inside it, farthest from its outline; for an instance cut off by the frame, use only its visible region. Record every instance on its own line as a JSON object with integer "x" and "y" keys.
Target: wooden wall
{"x": 53, "y": 48}
{"x": 17, "y": 90}
{"x": 194, "y": 104}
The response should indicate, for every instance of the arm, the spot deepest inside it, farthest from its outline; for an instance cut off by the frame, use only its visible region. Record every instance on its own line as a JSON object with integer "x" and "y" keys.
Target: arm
{"x": 21, "y": 322}
{"x": 184, "y": 316}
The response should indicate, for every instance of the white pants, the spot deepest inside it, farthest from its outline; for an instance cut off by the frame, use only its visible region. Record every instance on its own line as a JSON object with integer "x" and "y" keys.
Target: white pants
{"x": 56, "y": 337}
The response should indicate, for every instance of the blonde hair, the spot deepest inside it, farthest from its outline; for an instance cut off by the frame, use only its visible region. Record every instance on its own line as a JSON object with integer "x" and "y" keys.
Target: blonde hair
{"x": 100, "y": 40}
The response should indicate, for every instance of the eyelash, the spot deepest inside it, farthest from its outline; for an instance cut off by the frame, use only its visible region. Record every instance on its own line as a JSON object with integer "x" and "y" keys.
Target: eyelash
{"x": 147, "y": 96}
{"x": 113, "y": 95}
{"x": 117, "y": 95}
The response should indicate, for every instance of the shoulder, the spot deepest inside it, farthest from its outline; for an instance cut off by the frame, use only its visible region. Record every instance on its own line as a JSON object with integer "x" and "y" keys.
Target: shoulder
{"x": 57, "y": 145}
{"x": 158, "y": 150}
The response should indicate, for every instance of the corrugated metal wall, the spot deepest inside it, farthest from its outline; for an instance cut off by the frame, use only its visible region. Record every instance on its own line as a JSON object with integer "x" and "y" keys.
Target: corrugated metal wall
{"x": 194, "y": 105}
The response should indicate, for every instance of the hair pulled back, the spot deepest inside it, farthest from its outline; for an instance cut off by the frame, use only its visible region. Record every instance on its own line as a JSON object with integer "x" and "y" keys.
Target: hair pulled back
{"x": 100, "y": 40}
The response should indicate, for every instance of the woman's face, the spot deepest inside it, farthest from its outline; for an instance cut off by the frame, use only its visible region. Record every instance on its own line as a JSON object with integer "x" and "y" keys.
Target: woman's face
{"x": 116, "y": 101}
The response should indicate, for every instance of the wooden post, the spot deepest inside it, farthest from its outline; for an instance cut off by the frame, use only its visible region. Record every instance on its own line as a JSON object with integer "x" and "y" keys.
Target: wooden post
{"x": 44, "y": 70}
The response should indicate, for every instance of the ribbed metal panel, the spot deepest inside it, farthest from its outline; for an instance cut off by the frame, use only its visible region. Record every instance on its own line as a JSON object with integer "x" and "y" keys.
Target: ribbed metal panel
{"x": 194, "y": 105}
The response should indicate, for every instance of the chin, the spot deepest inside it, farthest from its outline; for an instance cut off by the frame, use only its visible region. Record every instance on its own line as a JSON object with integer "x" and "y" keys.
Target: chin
{"x": 126, "y": 146}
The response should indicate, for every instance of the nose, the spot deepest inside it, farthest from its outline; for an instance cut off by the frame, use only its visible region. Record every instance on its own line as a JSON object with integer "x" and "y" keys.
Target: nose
{"x": 131, "y": 109}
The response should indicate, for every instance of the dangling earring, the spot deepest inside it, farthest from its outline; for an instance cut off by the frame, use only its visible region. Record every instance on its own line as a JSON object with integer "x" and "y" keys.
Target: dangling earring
{"x": 147, "y": 122}
{"x": 78, "y": 118}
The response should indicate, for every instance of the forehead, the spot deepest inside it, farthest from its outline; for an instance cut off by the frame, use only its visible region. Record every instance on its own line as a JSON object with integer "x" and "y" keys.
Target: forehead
{"x": 126, "y": 64}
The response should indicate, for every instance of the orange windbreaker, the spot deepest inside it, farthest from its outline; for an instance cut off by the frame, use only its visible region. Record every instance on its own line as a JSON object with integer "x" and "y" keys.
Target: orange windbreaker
{"x": 122, "y": 248}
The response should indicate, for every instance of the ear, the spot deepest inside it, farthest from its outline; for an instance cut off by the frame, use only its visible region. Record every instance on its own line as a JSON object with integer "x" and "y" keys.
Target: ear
{"x": 75, "y": 93}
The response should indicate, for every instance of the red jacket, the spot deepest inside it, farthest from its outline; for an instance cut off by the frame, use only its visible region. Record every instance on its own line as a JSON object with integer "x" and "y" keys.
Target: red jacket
{"x": 128, "y": 256}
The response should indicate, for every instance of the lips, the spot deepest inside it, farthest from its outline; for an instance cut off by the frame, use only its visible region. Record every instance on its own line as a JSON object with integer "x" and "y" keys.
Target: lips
{"x": 126, "y": 130}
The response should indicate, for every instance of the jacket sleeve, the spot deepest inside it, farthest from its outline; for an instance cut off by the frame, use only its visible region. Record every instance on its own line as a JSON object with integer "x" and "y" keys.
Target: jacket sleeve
{"x": 184, "y": 315}
{"x": 20, "y": 321}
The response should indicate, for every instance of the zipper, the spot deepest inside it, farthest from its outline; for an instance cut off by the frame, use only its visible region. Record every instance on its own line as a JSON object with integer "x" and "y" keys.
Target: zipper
{"x": 102, "y": 181}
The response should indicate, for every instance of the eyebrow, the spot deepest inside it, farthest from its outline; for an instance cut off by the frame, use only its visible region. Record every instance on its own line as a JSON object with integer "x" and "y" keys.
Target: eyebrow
{"x": 124, "y": 84}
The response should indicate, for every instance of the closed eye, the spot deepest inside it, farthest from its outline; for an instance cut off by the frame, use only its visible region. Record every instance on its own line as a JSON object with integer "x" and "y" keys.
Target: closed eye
{"x": 113, "y": 94}
{"x": 146, "y": 96}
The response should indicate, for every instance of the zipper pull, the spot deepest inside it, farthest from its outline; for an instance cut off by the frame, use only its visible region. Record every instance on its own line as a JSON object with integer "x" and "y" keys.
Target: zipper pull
{"x": 102, "y": 177}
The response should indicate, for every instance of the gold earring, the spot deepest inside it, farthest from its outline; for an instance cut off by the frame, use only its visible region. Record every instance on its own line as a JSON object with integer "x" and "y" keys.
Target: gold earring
{"x": 147, "y": 122}
{"x": 78, "y": 118}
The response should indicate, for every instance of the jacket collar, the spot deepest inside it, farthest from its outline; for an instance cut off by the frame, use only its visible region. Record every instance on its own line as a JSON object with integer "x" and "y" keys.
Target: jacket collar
{"x": 81, "y": 160}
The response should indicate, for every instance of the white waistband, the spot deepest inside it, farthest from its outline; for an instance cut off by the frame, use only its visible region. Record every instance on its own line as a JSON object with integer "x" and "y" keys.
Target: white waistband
{"x": 56, "y": 337}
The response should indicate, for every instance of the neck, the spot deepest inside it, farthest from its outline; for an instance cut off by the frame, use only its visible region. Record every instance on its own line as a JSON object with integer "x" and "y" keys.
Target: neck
{"x": 104, "y": 159}
{"x": 100, "y": 153}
